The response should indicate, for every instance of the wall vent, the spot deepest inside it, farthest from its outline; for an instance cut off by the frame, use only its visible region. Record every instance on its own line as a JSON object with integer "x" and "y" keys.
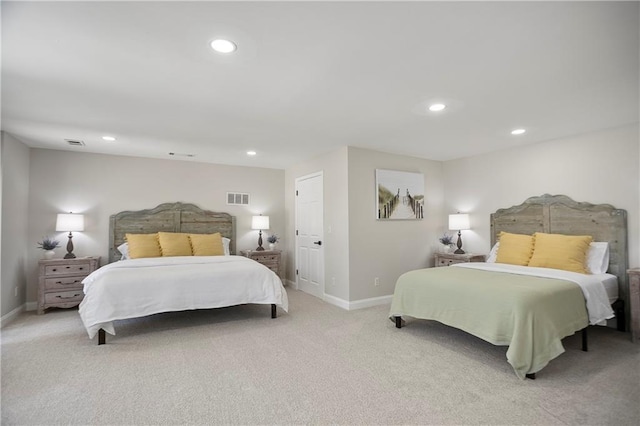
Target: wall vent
{"x": 74, "y": 142}
{"x": 237, "y": 198}
{"x": 180, "y": 154}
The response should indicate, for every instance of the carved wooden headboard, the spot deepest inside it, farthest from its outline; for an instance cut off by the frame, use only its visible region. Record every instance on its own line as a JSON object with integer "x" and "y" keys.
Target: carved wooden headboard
{"x": 169, "y": 217}
{"x": 559, "y": 214}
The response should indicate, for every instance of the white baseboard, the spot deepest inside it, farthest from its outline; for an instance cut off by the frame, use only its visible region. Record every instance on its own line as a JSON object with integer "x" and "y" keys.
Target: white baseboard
{"x": 358, "y": 304}
{"x": 292, "y": 284}
{"x": 6, "y": 319}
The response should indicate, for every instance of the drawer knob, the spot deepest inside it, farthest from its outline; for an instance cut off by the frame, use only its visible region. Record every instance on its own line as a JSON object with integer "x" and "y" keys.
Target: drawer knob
{"x": 54, "y": 269}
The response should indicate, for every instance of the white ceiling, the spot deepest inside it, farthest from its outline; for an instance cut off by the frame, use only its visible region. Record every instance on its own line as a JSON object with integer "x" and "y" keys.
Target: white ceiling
{"x": 310, "y": 77}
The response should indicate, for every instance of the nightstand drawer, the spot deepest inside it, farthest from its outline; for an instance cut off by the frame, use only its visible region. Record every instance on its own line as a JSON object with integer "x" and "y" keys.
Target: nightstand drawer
{"x": 447, "y": 262}
{"x": 71, "y": 269}
{"x": 64, "y": 297}
{"x": 63, "y": 283}
{"x": 267, "y": 258}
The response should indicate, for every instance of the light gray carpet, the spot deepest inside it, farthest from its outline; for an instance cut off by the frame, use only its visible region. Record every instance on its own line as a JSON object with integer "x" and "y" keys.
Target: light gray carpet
{"x": 318, "y": 364}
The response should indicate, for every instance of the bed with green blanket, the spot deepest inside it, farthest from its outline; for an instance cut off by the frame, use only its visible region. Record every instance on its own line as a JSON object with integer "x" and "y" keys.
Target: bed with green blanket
{"x": 529, "y": 309}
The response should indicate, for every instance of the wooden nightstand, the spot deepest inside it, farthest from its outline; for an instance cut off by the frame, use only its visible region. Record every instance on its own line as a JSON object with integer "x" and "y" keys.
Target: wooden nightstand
{"x": 446, "y": 259}
{"x": 269, "y": 258}
{"x": 60, "y": 282}
{"x": 634, "y": 303}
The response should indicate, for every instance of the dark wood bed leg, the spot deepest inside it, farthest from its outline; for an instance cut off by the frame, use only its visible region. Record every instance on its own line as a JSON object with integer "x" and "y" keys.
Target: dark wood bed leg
{"x": 621, "y": 319}
{"x": 101, "y": 337}
{"x": 274, "y": 312}
{"x": 531, "y": 376}
{"x": 584, "y": 340}
{"x": 398, "y": 322}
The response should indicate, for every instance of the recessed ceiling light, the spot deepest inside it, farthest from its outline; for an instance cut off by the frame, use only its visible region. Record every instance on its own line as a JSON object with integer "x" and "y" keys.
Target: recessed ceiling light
{"x": 223, "y": 46}
{"x": 437, "y": 107}
{"x": 109, "y": 138}
{"x": 518, "y": 131}
{"x": 251, "y": 153}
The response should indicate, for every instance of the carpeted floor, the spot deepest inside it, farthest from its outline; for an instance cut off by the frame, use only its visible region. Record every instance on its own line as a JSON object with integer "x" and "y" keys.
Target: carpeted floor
{"x": 318, "y": 364}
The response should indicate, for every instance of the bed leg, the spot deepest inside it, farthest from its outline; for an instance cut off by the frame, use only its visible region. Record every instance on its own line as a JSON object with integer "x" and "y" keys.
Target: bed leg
{"x": 274, "y": 312}
{"x": 531, "y": 376}
{"x": 101, "y": 337}
{"x": 584, "y": 340}
{"x": 398, "y": 322}
{"x": 621, "y": 319}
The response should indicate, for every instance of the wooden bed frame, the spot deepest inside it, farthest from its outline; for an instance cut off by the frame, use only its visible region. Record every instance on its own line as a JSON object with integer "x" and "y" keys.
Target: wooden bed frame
{"x": 169, "y": 217}
{"x": 559, "y": 214}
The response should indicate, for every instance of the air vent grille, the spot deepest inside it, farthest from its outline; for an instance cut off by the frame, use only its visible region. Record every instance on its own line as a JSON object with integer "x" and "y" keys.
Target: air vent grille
{"x": 237, "y": 198}
{"x": 74, "y": 142}
{"x": 180, "y": 154}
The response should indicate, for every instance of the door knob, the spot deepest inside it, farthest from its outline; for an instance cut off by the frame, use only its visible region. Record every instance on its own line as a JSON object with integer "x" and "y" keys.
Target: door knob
{"x": 318, "y": 243}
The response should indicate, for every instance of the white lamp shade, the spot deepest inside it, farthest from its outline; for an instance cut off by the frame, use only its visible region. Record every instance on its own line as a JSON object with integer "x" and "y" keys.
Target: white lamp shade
{"x": 260, "y": 222}
{"x": 458, "y": 222}
{"x": 70, "y": 222}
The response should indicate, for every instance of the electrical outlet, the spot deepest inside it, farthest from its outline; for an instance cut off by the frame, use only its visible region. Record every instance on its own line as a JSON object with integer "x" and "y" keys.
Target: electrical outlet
{"x": 376, "y": 281}
{"x": 15, "y": 291}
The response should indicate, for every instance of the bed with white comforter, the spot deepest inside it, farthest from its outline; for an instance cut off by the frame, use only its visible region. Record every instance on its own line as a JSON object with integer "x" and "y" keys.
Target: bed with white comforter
{"x": 140, "y": 287}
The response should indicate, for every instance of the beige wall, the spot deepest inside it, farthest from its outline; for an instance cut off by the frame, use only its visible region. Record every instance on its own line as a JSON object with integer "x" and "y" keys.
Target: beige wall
{"x": 15, "y": 240}
{"x": 600, "y": 167}
{"x": 101, "y": 185}
{"x": 335, "y": 214}
{"x": 387, "y": 249}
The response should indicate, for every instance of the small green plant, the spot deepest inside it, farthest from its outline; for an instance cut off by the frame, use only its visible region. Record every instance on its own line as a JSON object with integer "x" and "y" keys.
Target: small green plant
{"x": 446, "y": 240}
{"x": 273, "y": 238}
{"x": 48, "y": 243}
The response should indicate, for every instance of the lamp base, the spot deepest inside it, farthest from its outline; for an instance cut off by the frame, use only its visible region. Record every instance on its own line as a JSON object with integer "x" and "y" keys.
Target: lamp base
{"x": 459, "y": 244}
{"x": 260, "y": 248}
{"x": 70, "y": 254}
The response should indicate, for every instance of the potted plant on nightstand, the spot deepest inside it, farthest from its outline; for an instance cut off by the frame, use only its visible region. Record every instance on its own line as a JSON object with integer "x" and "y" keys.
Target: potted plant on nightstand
{"x": 272, "y": 240}
{"x": 47, "y": 244}
{"x": 447, "y": 242}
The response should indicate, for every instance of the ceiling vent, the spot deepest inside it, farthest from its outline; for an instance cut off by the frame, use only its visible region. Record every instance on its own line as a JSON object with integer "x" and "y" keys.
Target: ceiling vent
{"x": 179, "y": 154}
{"x": 74, "y": 142}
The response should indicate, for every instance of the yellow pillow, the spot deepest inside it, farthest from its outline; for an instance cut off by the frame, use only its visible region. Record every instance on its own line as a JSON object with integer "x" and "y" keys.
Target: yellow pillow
{"x": 206, "y": 244}
{"x": 174, "y": 244}
{"x": 557, "y": 251}
{"x": 143, "y": 245}
{"x": 514, "y": 249}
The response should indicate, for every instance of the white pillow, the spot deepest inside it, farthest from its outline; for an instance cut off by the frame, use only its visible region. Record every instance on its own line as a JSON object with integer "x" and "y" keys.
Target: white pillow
{"x": 124, "y": 250}
{"x": 493, "y": 253}
{"x": 225, "y": 245}
{"x": 597, "y": 258}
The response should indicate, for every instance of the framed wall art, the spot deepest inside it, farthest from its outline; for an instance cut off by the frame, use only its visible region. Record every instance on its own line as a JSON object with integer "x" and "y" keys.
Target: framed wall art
{"x": 400, "y": 195}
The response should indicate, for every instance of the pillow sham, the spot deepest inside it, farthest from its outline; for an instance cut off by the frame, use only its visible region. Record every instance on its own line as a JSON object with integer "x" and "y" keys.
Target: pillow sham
{"x": 143, "y": 245}
{"x": 598, "y": 258}
{"x": 557, "y": 251}
{"x": 225, "y": 245}
{"x": 124, "y": 251}
{"x": 206, "y": 244}
{"x": 515, "y": 249}
{"x": 174, "y": 244}
{"x": 493, "y": 253}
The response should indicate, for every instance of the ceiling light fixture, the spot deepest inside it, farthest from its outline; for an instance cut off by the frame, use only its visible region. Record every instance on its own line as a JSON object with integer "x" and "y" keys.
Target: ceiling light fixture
{"x": 251, "y": 153}
{"x": 223, "y": 46}
{"x": 518, "y": 131}
{"x": 109, "y": 138}
{"x": 437, "y": 107}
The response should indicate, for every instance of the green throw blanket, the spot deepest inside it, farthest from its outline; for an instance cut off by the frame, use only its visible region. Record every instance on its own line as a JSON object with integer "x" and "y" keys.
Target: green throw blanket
{"x": 529, "y": 314}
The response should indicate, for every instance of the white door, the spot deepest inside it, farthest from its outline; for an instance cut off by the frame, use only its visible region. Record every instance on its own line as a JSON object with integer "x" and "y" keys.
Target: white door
{"x": 309, "y": 239}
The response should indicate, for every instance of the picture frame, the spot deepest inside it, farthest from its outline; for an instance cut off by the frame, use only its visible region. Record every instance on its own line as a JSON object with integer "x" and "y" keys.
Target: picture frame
{"x": 399, "y": 195}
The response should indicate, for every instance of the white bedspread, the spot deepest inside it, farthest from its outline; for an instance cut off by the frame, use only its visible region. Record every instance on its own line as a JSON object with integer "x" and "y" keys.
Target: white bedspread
{"x": 139, "y": 287}
{"x": 595, "y": 295}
